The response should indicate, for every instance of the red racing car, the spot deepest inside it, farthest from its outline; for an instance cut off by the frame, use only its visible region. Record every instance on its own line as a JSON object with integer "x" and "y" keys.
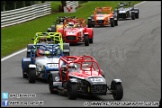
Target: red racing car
{"x": 82, "y": 75}
{"x": 76, "y": 31}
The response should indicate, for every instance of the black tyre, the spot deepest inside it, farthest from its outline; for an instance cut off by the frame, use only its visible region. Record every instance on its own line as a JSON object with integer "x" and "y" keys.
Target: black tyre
{"x": 28, "y": 54}
{"x": 116, "y": 22}
{"x": 133, "y": 16}
{"x": 72, "y": 91}
{"x": 89, "y": 23}
{"x": 86, "y": 41}
{"x": 32, "y": 75}
{"x": 92, "y": 21}
{"x": 117, "y": 90}
{"x": 28, "y": 50}
{"x": 91, "y": 40}
{"x": 66, "y": 48}
{"x": 112, "y": 22}
{"x": 24, "y": 75}
{"x": 117, "y": 14}
{"x": 51, "y": 87}
{"x": 137, "y": 15}
{"x": 53, "y": 28}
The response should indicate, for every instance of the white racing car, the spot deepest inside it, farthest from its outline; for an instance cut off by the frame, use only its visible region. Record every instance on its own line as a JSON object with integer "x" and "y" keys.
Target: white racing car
{"x": 125, "y": 12}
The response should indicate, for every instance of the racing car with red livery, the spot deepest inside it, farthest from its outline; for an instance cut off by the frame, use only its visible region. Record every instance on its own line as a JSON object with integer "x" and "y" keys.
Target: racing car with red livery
{"x": 76, "y": 31}
{"x": 82, "y": 75}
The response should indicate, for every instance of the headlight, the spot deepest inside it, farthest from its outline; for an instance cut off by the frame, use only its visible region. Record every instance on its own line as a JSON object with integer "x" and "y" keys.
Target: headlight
{"x": 97, "y": 79}
{"x": 52, "y": 65}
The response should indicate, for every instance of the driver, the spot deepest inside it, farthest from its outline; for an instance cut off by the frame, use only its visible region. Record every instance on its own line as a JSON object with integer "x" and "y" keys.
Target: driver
{"x": 43, "y": 40}
{"x": 72, "y": 67}
{"x": 41, "y": 52}
{"x": 99, "y": 10}
{"x": 71, "y": 24}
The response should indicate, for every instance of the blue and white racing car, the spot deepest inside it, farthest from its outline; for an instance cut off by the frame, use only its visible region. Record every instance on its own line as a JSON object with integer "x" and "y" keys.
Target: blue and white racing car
{"x": 42, "y": 61}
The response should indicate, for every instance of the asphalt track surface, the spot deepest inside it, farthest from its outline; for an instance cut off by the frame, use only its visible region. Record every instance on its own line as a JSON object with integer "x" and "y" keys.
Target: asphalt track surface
{"x": 130, "y": 51}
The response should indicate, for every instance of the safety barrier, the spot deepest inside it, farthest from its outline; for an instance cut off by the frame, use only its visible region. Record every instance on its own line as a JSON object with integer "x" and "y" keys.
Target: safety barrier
{"x": 72, "y": 3}
{"x": 24, "y": 14}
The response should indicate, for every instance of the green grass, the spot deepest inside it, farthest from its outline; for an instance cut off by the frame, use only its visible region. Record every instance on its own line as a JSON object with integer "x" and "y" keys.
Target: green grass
{"x": 17, "y": 37}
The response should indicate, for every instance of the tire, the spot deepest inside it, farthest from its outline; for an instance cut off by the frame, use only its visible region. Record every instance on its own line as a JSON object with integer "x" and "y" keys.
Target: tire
{"x": 133, "y": 16}
{"x": 66, "y": 46}
{"x": 51, "y": 88}
{"x": 53, "y": 29}
{"x": 24, "y": 75}
{"x": 86, "y": 40}
{"x": 28, "y": 54}
{"x": 72, "y": 91}
{"x": 89, "y": 23}
{"x": 117, "y": 90}
{"x": 117, "y": 14}
{"x": 116, "y": 22}
{"x": 112, "y": 22}
{"x": 32, "y": 75}
{"x": 137, "y": 15}
{"x": 91, "y": 40}
{"x": 28, "y": 48}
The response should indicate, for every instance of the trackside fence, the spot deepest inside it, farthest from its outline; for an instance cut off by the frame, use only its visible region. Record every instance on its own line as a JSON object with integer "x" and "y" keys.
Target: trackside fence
{"x": 24, "y": 14}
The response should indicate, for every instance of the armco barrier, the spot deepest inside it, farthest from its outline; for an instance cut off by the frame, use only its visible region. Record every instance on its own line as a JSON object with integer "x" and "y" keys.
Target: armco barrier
{"x": 72, "y": 3}
{"x": 24, "y": 14}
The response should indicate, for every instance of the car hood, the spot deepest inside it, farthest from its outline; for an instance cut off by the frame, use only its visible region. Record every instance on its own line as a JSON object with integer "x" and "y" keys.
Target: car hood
{"x": 102, "y": 16}
{"x": 72, "y": 31}
{"x": 45, "y": 60}
{"x": 124, "y": 10}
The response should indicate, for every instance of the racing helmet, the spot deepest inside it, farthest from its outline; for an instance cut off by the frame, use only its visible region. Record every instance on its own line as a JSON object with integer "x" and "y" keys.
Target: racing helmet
{"x": 40, "y": 52}
{"x": 71, "y": 24}
{"x": 72, "y": 66}
{"x": 99, "y": 10}
{"x": 43, "y": 39}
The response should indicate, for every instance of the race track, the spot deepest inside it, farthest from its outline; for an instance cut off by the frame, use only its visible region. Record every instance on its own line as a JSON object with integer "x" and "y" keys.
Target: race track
{"x": 130, "y": 51}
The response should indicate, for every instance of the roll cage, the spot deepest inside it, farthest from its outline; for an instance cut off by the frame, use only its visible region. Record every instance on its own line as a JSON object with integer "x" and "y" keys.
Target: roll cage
{"x": 78, "y": 22}
{"x": 80, "y": 60}
{"x": 52, "y": 37}
{"x": 106, "y": 10}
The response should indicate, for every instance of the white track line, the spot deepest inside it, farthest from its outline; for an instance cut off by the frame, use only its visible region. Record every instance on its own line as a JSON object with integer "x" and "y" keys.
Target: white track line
{"x": 140, "y": 3}
{"x": 18, "y": 52}
{"x": 7, "y": 57}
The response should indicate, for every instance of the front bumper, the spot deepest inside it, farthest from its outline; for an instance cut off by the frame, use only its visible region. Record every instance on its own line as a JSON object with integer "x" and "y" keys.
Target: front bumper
{"x": 71, "y": 39}
{"x": 99, "y": 89}
{"x": 122, "y": 15}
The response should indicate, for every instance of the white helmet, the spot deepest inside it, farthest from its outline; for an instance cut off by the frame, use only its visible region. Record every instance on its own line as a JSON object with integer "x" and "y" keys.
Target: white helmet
{"x": 71, "y": 24}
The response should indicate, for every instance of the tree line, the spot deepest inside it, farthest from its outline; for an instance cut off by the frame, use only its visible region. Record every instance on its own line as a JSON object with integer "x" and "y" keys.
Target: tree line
{"x": 10, "y": 5}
